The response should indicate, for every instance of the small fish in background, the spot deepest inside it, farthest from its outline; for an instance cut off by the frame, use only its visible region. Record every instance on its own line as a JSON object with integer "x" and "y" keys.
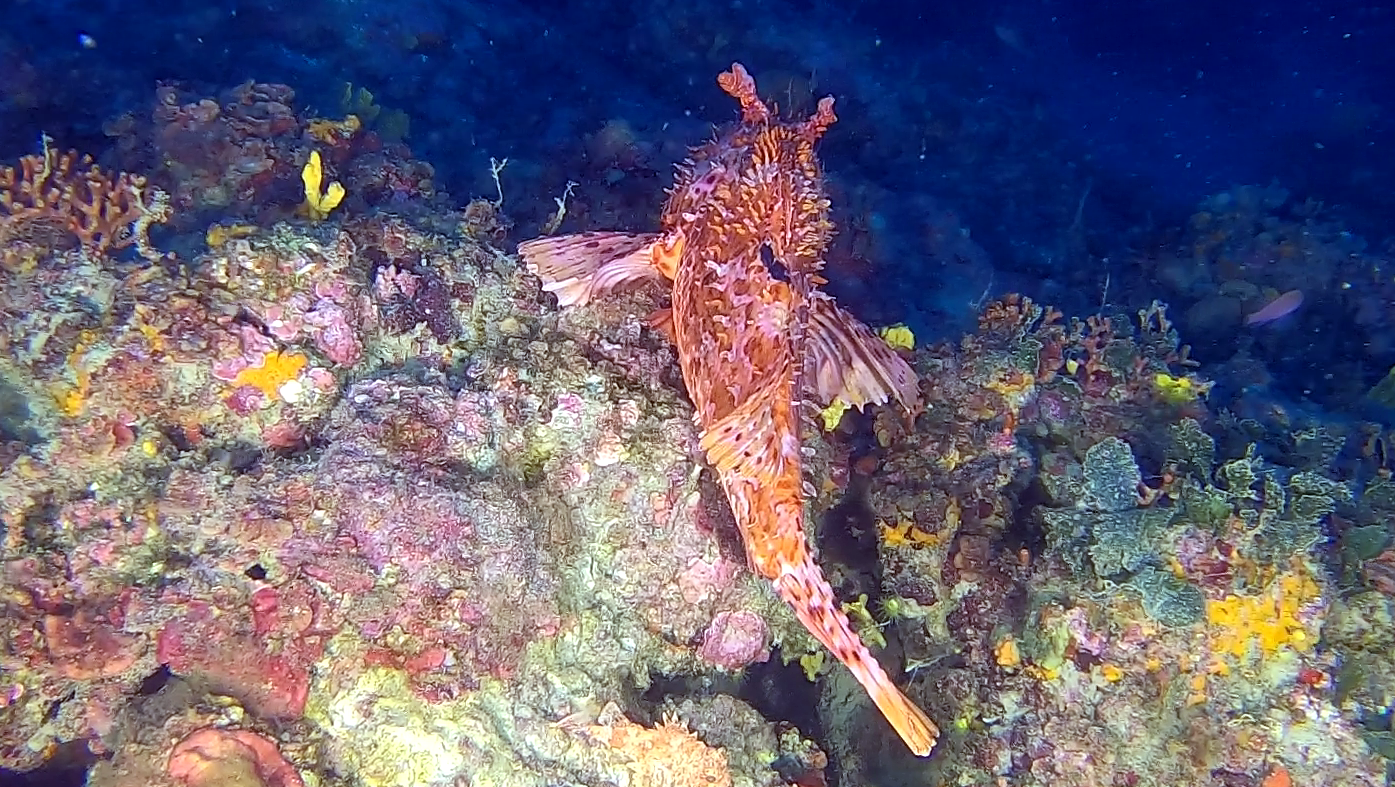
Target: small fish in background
{"x": 1280, "y": 307}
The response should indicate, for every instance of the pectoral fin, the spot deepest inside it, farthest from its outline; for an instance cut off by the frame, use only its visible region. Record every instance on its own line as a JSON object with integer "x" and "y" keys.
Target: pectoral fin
{"x": 749, "y": 443}
{"x": 849, "y": 362}
{"x": 577, "y": 268}
{"x": 662, "y": 321}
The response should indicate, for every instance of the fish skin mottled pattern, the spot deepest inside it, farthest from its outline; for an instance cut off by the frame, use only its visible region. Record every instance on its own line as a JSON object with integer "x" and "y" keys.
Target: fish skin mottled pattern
{"x": 742, "y": 243}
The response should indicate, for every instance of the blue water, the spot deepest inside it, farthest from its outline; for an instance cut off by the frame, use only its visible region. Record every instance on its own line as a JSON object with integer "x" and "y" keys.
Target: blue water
{"x": 983, "y": 148}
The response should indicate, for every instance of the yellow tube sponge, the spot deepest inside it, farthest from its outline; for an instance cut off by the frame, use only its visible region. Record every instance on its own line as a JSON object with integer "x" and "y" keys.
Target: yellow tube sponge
{"x": 318, "y": 204}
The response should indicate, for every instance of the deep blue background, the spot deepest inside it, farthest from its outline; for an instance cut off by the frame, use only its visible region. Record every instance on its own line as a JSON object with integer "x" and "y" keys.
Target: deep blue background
{"x": 1188, "y": 97}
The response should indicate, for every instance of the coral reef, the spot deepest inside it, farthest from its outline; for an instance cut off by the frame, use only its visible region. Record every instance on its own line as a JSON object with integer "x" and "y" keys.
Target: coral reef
{"x": 57, "y": 200}
{"x": 346, "y": 496}
{"x": 242, "y": 157}
{"x": 1081, "y": 591}
{"x": 348, "y": 502}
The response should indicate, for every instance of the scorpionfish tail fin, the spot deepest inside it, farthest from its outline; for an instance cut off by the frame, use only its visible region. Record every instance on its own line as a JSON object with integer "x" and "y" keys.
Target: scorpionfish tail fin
{"x": 804, "y": 588}
{"x": 850, "y": 362}
{"x": 577, "y": 268}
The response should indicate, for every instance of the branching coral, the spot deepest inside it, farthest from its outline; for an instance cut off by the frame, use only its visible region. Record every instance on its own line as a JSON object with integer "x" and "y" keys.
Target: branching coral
{"x": 52, "y": 199}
